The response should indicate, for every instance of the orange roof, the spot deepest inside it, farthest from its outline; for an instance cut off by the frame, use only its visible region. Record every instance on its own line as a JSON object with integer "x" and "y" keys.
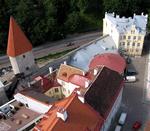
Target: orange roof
{"x": 81, "y": 117}
{"x": 17, "y": 41}
{"x": 65, "y": 71}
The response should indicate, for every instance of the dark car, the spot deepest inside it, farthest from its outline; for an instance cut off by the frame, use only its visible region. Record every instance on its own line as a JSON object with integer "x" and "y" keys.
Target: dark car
{"x": 131, "y": 72}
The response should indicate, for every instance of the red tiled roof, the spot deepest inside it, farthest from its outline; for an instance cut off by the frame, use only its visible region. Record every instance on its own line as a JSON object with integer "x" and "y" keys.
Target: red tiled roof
{"x": 112, "y": 61}
{"x": 78, "y": 80}
{"x": 45, "y": 83}
{"x": 17, "y": 41}
{"x": 81, "y": 117}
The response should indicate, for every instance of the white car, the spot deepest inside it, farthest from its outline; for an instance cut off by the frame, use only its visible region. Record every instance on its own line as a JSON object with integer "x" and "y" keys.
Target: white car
{"x": 122, "y": 118}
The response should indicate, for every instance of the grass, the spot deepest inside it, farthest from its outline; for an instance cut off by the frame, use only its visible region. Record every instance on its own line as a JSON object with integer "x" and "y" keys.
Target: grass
{"x": 53, "y": 56}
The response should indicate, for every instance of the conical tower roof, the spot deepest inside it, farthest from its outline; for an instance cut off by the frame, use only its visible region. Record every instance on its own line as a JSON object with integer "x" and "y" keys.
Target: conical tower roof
{"x": 17, "y": 41}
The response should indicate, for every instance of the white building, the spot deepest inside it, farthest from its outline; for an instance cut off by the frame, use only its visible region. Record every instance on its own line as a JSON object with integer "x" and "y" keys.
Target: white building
{"x": 19, "y": 50}
{"x": 127, "y": 33}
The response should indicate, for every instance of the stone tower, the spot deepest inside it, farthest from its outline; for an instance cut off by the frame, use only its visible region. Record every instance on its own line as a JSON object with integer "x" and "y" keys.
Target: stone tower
{"x": 19, "y": 50}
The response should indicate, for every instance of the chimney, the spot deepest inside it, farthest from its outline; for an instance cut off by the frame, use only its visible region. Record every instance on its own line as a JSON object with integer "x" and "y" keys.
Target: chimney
{"x": 81, "y": 98}
{"x": 117, "y": 16}
{"x": 83, "y": 73}
{"x": 95, "y": 72}
{"x": 142, "y": 13}
{"x": 61, "y": 113}
{"x": 65, "y": 62}
{"x": 87, "y": 83}
{"x": 50, "y": 70}
{"x": 146, "y": 15}
{"x": 113, "y": 14}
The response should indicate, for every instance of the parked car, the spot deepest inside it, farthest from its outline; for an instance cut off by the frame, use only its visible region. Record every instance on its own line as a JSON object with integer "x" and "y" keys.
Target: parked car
{"x": 122, "y": 118}
{"x": 136, "y": 125}
{"x": 118, "y": 128}
{"x": 130, "y": 79}
{"x": 131, "y": 72}
{"x": 70, "y": 44}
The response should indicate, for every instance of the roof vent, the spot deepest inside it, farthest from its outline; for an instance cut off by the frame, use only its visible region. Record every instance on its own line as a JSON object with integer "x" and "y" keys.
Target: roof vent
{"x": 18, "y": 122}
{"x": 61, "y": 113}
{"x": 25, "y": 116}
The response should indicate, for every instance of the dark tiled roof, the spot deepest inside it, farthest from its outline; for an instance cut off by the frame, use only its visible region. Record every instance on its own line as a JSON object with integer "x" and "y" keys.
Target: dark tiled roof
{"x": 104, "y": 90}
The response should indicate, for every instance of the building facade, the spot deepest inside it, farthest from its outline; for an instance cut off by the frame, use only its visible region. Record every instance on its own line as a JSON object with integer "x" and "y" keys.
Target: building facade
{"x": 127, "y": 33}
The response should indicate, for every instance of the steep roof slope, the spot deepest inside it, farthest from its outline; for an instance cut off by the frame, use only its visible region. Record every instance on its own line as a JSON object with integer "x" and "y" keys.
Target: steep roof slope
{"x": 104, "y": 90}
{"x": 81, "y": 117}
{"x": 17, "y": 41}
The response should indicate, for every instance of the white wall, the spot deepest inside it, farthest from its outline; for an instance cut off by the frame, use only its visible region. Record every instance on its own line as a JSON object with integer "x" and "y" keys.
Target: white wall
{"x": 34, "y": 105}
{"x": 109, "y": 28}
{"x": 20, "y": 63}
{"x": 113, "y": 112}
{"x": 69, "y": 87}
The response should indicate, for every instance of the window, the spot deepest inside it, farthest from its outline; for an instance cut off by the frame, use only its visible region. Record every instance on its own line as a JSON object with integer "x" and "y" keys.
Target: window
{"x": 134, "y": 37}
{"x": 128, "y": 44}
{"x": 133, "y": 44}
{"x": 129, "y": 37}
{"x": 138, "y": 44}
{"x": 137, "y": 50}
{"x": 139, "y": 38}
{"x": 132, "y": 31}
{"x": 124, "y": 37}
{"x": 120, "y": 37}
{"x": 131, "y": 50}
{"x": 56, "y": 90}
{"x": 123, "y": 43}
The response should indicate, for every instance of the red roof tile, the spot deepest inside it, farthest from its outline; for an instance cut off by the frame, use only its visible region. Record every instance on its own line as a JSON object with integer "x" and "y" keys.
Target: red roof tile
{"x": 17, "y": 41}
{"x": 80, "y": 117}
{"x": 78, "y": 80}
{"x": 112, "y": 61}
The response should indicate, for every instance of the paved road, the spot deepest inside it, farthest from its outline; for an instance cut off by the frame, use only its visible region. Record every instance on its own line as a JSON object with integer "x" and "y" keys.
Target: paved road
{"x": 53, "y": 47}
{"x": 134, "y": 103}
